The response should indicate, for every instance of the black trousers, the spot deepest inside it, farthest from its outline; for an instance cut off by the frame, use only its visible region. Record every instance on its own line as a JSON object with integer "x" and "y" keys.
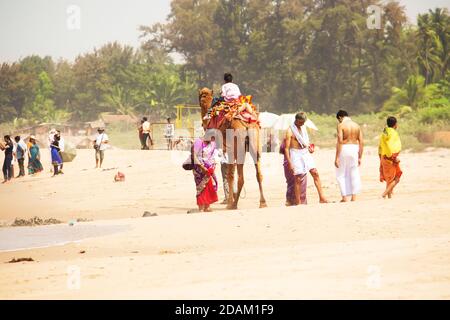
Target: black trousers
{"x": 146, "y": 138}
{"x": 7, "y": 168}
{"x": 21, "y": 167}
{"x": 143, "y": 144}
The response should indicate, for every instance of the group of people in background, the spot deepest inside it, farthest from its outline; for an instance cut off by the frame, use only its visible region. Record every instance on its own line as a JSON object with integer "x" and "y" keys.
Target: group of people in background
{"x": 299, "y": 162}
{"x": 145, "y": 134}
{"x": 17, "y": 151}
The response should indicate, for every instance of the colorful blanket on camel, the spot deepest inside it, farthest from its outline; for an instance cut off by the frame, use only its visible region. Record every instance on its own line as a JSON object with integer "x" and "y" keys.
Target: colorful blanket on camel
{"x": 241, "y": 108}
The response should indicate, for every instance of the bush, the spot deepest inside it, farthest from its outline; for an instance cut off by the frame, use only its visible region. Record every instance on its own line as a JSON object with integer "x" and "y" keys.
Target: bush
{"x": 411, "y": 143}
{"x": 432, "y": 115}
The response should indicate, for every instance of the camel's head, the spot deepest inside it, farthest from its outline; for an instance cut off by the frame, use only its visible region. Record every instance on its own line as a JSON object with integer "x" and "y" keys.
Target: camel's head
{"x": 205, "y": 97}
{"x": 205, "y": 93}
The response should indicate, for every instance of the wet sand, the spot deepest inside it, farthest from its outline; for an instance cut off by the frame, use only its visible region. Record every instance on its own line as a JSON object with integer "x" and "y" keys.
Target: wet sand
{"x": 21, "y": 238}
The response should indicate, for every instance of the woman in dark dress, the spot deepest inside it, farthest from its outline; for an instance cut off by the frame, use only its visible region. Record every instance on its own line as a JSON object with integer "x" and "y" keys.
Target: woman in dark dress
{"x": 7, "y": 162}
{"x": 56, "y": 158}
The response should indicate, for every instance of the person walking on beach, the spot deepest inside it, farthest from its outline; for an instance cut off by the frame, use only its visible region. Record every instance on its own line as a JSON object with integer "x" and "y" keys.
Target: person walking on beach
{"x": 298, "y": 152}
{"x": 34, "y": 157}
{"x": 203, "y": 169}
{"x": 141, "y": 134}
{"x": 349, "y": 152}
{"x": 56, "y": 158}
{"x": 50, "y": 139}
{"x": 7, "y": 162}
{"x": 169, "y": 134}
{"x": 100, "y": 145}
{"x": 388, "y": 151}
{"x": 146, "y": 133}
{"x": 61, "y": 145}
{"x": 21, "y": 151}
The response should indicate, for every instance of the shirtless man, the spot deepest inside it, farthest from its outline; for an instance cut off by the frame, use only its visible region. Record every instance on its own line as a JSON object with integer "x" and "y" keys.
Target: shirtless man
{"x": 298, "y": 152}
{"x": 349, "y": 151}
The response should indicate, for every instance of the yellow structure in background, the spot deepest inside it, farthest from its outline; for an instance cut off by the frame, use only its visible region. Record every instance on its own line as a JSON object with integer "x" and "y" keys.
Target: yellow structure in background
{"x": 184, "y": 121}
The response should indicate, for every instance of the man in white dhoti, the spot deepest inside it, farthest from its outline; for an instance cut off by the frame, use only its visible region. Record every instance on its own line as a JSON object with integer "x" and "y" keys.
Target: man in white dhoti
{"x": 349, "y": 151}
{"x": 298, "y": 153}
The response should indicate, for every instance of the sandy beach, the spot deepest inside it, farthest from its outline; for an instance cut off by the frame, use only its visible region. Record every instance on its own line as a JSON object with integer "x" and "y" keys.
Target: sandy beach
{"x": 374, "y": 248}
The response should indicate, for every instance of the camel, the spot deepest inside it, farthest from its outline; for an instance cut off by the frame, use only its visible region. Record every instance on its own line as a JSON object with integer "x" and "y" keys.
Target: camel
{"x": 246, "y": 137}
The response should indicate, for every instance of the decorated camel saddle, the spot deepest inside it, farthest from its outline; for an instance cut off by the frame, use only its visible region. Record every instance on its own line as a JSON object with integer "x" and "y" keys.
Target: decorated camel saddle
{"x": 242, "y": 109}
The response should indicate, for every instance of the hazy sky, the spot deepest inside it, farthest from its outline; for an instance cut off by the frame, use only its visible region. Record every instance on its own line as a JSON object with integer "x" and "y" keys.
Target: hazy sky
{"x": 45, "y": 27}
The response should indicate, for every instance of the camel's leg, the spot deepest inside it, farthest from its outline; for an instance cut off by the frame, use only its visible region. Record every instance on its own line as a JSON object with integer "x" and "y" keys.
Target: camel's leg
{"x": 231, "y": 195}
{"x": 255, "y": 152}
{"x": 240, "y": 172}
{"x": 259, "y": 178}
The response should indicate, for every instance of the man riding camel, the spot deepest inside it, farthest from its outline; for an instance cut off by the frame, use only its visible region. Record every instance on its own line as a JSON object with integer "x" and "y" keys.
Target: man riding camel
{"x": 231, "y": 93}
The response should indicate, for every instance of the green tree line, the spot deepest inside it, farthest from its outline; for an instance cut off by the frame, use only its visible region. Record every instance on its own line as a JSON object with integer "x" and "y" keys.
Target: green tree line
{"x": 315, "y": 55}
{"x": 114, "y": 78}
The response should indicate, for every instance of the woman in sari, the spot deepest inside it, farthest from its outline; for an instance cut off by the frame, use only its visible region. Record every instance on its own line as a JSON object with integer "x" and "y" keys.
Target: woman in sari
{"x": 34, "y": 156}
{"x": 205, "y": 179}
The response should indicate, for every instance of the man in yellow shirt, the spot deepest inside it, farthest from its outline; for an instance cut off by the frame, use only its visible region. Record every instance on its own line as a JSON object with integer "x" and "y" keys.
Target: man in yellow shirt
{"x": 389, "y": 150}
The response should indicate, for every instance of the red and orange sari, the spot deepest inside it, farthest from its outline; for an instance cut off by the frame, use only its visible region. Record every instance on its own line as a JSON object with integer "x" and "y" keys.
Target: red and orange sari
{"x": 206, "y": 183}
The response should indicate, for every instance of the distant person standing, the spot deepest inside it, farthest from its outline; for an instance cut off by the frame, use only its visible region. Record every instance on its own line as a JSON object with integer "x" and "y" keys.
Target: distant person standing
{"x": 100, "y": 145}
{"x": 7, "y": 162}
{"x": 349, "y": 152}
{"x": 146, "y": 132}
{"x": 34, "y": 157}
{"x": 141, "y": 134}
{"x": 56, "y": 158}
{"x": 21, "y": 151}
{"x": 14, "y": 158}
{"x": 50, "y": 139}
{"x": 169, "y": 133}
{"x": 61, "y": 144}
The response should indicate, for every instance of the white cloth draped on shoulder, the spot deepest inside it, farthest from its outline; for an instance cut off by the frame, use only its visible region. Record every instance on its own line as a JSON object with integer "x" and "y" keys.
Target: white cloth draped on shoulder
{"x": 301, "y": 159}
{"x": 303, "y": 137}
{"x": 347, "y": 174}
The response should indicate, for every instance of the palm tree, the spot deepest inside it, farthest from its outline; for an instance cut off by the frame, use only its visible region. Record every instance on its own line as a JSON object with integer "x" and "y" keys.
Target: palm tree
{"x": 167, "y": 91}
{"x": 57, "y": 116}
{"x": 441, "y": 24}
{"x": 122, "y": 101}
{"x": 433, "y": 34}
{"x": 411, "y": 95}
